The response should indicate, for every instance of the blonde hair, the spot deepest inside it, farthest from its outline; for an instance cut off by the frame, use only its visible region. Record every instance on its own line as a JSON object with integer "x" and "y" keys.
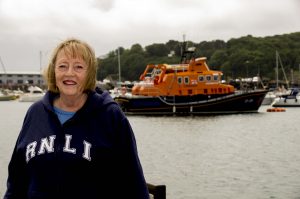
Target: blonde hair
{"x": 76, "y": 49}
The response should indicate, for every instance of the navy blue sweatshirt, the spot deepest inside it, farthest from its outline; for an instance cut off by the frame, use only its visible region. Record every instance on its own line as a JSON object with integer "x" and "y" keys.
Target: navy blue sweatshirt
{"x": 92, "y": 155}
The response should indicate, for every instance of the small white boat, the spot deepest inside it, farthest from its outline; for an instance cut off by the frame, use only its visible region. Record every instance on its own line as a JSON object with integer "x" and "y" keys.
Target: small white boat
{"x": 6, "y": 96}
{"x": 269, "y": 98}
{"x": 120, "y": 91}
{"x": 35, "y": 94}
{"x": 290, "y": 100}
{"x": 275, "y": 94}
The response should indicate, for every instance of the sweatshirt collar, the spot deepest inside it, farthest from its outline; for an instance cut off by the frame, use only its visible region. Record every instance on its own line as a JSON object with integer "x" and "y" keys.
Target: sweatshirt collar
{"x": 96, "y": 99}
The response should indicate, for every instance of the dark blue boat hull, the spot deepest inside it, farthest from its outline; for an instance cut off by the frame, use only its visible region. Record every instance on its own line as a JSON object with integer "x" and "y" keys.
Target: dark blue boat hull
{"x": 236, "y": 103}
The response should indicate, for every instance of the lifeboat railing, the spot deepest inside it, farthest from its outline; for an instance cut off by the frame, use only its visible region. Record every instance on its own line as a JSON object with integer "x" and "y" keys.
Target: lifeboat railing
{"x": 203, "y": 101}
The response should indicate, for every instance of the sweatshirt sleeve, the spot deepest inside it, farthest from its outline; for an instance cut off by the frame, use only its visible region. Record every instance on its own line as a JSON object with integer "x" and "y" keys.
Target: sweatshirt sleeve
{"x": 135, "y": 171}
{"x": 131, "y": 168}
{"x": 17, "y": 181}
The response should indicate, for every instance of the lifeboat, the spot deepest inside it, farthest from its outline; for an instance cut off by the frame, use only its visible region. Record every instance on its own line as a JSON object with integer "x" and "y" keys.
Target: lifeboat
{"x": 189, "y": 87}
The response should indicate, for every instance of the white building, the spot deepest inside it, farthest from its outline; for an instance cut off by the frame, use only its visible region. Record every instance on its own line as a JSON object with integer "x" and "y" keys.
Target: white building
{"x": 21, "y": 78}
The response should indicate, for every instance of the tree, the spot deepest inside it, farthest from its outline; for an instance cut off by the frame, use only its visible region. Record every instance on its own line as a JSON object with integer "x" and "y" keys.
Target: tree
{"x": 136, "y": 48}
{"x": 217, "y": 59}
{"x": 157, "y": 50}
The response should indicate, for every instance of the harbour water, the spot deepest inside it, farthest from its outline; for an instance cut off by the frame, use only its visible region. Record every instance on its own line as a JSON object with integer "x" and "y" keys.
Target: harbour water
{"x": 240, "y": 156}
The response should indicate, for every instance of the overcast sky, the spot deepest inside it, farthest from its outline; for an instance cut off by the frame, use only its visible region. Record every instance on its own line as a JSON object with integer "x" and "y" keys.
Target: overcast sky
{"x": 28, "y": 27}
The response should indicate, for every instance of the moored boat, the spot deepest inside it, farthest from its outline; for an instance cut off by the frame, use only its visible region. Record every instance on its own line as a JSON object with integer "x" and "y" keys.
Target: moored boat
{"x": 187, "y": 88}
{"x": 288, "y": 100}
{"x": 35, "y": 93}
{"x": 4, "y": 96}
{"x": 269, "y": 98}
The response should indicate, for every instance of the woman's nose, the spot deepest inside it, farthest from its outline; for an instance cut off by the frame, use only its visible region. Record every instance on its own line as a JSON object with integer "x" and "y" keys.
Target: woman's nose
{"x": 70, "y": 70}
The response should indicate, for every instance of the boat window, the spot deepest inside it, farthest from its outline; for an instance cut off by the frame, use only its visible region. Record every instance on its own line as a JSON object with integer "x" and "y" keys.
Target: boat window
{"x": 157, "y": 71}
{"x": 216, "y": 77}
{"x": 200, "y": 78}
{"x": 208, "y": 77}
{"x": 186, "y": 80}
{"x": 179, "y": 80}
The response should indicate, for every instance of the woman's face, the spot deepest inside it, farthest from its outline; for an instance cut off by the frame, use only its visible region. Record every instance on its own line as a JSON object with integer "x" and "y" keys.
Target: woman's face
{"x": 70, "y": 74}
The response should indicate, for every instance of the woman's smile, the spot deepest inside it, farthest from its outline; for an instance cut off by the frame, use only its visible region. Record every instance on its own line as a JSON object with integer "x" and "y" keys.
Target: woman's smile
{"x": 69, "y": 82}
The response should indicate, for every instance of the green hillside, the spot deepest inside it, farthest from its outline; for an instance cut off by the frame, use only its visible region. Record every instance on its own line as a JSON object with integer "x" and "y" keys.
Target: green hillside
{"x": 246, "y": 56}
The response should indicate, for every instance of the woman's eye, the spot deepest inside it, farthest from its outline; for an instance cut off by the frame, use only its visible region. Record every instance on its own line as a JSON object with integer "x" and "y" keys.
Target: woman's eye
{"x": 62, "y": 66}
{"x": 79, "y": 67}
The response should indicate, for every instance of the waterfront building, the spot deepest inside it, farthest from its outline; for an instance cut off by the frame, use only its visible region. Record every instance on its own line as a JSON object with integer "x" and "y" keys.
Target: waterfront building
{"x": 21, "y": 79}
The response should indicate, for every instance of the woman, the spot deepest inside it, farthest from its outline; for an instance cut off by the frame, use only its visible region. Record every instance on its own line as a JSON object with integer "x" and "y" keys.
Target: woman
{"x": 75, "y": 142}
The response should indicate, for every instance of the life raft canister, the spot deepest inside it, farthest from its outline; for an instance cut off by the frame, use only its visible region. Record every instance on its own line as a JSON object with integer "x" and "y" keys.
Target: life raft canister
{"x": 276, "y": 110}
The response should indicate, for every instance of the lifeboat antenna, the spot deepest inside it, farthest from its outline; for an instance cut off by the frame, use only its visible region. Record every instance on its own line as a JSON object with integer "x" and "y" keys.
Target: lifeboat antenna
{"x": 183, "y": 49}
{"x": 186, "y": 53}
